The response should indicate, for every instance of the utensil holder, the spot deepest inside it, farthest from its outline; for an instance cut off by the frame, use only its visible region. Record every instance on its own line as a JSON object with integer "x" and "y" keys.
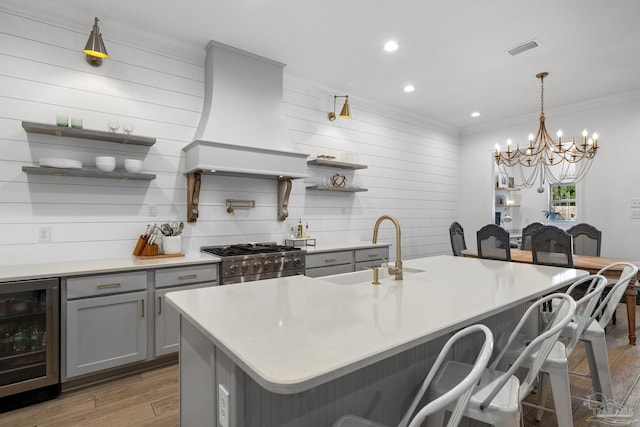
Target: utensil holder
{"x": 171, "y": 244}
{"x": 142, "y": 242}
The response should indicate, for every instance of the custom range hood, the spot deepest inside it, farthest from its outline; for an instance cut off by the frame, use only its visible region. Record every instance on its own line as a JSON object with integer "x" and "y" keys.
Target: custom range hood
{"x": 242, "y": 131}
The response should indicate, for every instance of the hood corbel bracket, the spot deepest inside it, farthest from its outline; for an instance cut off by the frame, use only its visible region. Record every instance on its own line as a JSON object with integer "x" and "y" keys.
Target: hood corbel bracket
{"x": 193, "y": 195}
{"x": 284, "y": 191}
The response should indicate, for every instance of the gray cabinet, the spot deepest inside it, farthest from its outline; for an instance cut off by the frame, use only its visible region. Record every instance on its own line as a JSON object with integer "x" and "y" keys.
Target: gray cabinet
{"x": 111, "y": 320}
{"x": 167, "y": 319}
{"x": 344, "y": 261}
{"x": 371, "y": 257}
{"x": 106, "y": 322}
{"x": 327, "y": 263}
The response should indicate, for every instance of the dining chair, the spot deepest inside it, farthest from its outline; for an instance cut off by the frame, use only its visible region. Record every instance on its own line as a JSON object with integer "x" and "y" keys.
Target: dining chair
{"x": 493, "y": 243}
{"x": 456, "y": 234}
{"x": 587, "y": 239}
{"x": 552, "y": 246}
{"x": 527, "y": 234}
{"x": 593, "y": 336}
{"x": 498, "y": 397}
{"x": 555, "y": 369}
{"x": 458, "y": 395}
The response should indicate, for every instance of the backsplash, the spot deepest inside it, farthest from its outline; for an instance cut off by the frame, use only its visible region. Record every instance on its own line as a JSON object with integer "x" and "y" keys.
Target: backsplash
{"x": 412, "y": 171}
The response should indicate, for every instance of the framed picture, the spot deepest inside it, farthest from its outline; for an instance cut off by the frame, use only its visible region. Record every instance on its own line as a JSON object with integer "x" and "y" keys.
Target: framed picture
{"x": 502, "y": 181}
{"x": 501, "y": 200}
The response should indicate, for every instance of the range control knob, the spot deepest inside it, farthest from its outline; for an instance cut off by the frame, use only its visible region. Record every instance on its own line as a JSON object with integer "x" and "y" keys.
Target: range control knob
{"x": 267, "y": 265}
{"x": 233, "y": 268}
{"x": 244, "y": 268}
{"x": 287, "y": 261}
{"x": 296, "y": 261}
{"x": 277, "y": 263}
{"x": 256, "y": 266}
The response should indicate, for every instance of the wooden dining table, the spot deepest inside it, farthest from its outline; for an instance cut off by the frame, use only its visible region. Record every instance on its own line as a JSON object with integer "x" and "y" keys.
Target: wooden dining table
{"x": 592, "y": 264}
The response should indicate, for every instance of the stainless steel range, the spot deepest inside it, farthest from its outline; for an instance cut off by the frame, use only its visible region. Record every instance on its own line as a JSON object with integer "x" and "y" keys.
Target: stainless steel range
{"x": 257, "y": 261}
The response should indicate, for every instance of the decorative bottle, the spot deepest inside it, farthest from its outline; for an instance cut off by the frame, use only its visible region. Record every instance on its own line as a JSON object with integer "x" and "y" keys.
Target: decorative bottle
{"x": 300, "y": 231}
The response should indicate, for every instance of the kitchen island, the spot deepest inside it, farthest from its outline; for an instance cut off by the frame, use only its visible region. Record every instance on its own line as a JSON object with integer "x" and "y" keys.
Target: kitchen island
{"x": 300, "y": 351}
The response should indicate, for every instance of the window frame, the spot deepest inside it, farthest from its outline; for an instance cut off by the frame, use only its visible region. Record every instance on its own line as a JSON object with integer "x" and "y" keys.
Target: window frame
{"x": 571, "y": 202}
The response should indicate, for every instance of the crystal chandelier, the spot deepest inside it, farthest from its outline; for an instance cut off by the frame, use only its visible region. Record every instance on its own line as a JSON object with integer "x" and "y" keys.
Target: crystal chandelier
{"x": 546, "y": 160}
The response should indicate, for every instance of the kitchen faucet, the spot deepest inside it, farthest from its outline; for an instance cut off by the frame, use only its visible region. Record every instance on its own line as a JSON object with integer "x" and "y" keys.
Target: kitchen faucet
{"x": 397, "y": 270}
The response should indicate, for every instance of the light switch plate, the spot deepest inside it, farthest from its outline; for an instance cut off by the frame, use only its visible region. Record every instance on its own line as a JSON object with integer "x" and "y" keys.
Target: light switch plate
{"x": 223, "y": 406}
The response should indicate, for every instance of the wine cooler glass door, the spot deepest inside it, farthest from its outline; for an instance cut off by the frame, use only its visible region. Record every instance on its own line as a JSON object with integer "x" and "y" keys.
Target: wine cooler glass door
{"x": 29, "y": 335}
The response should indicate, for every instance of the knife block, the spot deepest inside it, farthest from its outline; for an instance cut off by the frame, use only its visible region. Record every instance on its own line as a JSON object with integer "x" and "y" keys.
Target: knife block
{"x": 150, "y": 250}
{"x": 140, "y": 245}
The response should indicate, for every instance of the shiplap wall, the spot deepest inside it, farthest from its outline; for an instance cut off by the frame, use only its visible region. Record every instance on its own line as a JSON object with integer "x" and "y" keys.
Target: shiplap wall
{"x": 413, "y": 169}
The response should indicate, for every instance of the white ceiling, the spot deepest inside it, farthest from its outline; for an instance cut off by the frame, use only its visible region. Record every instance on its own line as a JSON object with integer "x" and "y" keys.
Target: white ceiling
{"x": 452, "y": 51}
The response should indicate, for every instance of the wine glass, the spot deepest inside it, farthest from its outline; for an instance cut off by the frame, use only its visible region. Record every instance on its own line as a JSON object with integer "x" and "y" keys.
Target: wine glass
{"x": 113, "y": 125}
{"x": 127, "y": 127}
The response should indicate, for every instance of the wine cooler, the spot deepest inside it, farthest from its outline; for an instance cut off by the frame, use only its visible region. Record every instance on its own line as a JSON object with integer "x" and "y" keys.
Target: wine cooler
{"x": 29, "y": 342}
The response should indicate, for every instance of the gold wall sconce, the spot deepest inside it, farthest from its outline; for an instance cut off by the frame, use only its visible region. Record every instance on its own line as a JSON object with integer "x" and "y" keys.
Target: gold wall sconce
{"x": 345, "y": 113}
{"x": 95, "y": 49}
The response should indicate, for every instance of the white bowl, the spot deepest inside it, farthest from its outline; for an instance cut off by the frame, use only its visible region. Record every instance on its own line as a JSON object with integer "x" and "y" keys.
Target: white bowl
{"x": 106, "y": 163}
{"x": 133, "y": 165}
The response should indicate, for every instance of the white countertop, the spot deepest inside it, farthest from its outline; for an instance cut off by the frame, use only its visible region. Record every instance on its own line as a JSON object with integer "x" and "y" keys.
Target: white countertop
{"x": 292, "y": 334}
{"x": 95, "y": 266}
{"x": 345, "y": 246}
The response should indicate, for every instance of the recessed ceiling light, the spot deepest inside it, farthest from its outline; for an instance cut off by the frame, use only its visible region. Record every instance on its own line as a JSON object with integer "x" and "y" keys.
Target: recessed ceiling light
{"x": 475, "y": 114}
{"x": 409, "y": 88}
{"x": 391, "y": 46}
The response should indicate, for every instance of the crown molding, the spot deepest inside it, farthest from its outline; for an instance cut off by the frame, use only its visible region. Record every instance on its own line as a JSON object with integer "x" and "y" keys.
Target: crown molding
{"x": 597, "y": 103}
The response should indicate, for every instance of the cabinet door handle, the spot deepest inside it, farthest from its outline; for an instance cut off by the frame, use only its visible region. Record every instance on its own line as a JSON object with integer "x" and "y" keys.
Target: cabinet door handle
{"x": 159, "y": 305}
{"x": 187, "y": 277}
{"x": 330, "y": 260}
{"x": 142, "y": 314}
{"x": 373, "y": 255}
{"x": 109, "y": 285}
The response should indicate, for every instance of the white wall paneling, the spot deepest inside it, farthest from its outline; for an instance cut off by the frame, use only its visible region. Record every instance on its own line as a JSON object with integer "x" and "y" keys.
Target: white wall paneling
{"x": 413, "y": 169}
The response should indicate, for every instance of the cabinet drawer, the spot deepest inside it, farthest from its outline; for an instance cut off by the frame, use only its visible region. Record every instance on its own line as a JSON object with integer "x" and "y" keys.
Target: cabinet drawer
{"x": 186, "y": 275}
{"x": 328, "y": 258}
{"x": 104, "y": 284}
{"x": 329, "y": 270}
{"x": 372, "y": 254}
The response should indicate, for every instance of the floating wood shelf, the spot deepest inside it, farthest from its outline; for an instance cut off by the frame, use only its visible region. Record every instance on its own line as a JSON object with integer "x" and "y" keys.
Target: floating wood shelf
{"x": 87, "y": 173}
{"x": 339, "y": 189}
{"x": 95, "y": 135}
{"x": 336, "y": 164}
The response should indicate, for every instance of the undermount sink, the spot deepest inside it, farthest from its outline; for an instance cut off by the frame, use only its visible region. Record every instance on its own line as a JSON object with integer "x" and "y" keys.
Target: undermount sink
{"x": 366, "y": 276}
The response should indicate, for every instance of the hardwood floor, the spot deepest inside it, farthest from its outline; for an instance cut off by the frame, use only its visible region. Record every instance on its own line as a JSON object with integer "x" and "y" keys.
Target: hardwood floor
{"x": 145, "y": 399}
{"x": 151, "y": 398}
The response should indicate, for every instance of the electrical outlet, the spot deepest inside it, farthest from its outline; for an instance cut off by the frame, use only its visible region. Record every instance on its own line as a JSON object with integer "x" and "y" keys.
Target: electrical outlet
{"x": 44, "y": 234}
{"x": 223, "y": 406}
{"x": 153, "y": 210}
{"x": 635, "y": 203}
{"x": 635, "y": 213}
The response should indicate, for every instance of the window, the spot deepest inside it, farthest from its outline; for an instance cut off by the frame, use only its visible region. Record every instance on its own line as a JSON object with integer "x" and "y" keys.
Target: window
{"x": 562, "y": 206}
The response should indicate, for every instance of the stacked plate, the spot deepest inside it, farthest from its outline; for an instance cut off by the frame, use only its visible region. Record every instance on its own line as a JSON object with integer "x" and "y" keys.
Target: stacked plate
{"x": 60, "y": 163}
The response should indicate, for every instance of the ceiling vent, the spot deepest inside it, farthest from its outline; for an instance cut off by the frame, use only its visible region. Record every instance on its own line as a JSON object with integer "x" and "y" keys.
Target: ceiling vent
{"x": 516, "y": 50}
